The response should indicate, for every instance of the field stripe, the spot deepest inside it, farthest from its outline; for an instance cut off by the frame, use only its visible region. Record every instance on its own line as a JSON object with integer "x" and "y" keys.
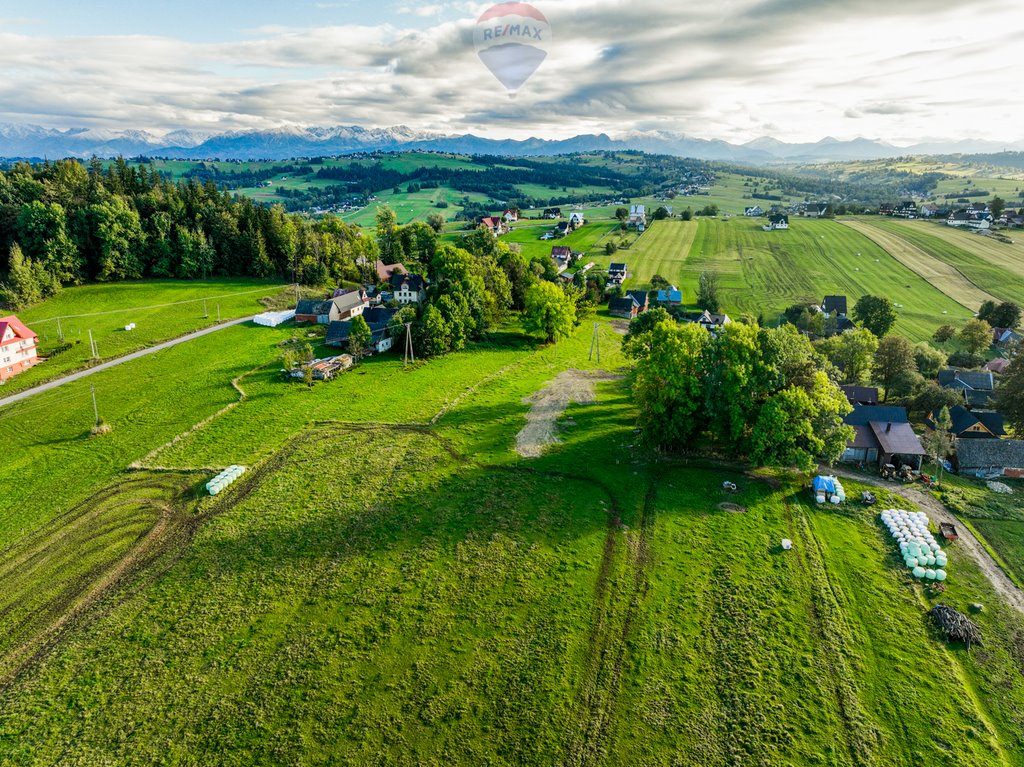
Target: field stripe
{"x": 936, "y": 272}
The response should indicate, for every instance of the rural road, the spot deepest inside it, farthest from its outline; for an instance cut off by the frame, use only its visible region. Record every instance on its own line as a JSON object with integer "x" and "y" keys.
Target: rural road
{"x": 966, "y": 541}
{"x": 118, "y": 361}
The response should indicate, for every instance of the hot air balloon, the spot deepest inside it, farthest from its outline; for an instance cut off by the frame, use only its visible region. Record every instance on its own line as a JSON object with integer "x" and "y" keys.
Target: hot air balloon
{"x": 511, "y": 40}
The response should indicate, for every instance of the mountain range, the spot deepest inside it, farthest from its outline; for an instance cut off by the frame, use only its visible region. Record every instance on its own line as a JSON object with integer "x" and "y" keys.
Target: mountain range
{"x": 36, "y": 142}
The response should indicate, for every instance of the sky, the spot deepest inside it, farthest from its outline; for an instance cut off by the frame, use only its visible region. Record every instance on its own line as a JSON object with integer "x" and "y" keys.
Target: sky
{"x": 736, "y": 70}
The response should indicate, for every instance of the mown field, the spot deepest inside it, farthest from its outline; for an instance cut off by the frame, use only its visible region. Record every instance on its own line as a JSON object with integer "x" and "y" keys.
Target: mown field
{"x": 161, "y": 310}
{"x": 391, "y": 583}
{"x": 764, "y": 272}
{"x": 663, "y": 249}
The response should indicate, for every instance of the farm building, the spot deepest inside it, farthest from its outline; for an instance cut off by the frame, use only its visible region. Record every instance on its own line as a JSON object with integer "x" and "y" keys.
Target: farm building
{"x": 997, "y": 365}
{"x": 378, "y": 319}
{"x": 672, "y": 297}
{"x": 882, "y": 435}
{"x": 978, "y": 424}
{"x": 617, "y": 273}
{"x": 409, "y": 288}
{"x": 17, "y": 347}
{"x": 325, "y": 369}
{"x": 552, "y": 214}
{"x": 861, "y": 395}
{"x": 978, "y": 387}
{"x": 496, "y": 225}
{"x": 991, "y": 457}
{"x": 576, "y": 219}
{"x": 814, "y": 209}
{"x": 754, "y": 212}
{"x": 510, "y": 215}
{"x": 907, "y": 209}
{"x": 707, "y": 320}
{"x": 776, "y": 221}
{"x": 1005, "y": 337}
{"x": 625, "y": 307}
{"x": 562, "y": 256}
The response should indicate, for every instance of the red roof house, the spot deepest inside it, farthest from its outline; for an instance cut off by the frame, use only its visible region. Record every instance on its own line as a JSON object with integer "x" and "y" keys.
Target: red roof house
{"x": 17, "y": 347}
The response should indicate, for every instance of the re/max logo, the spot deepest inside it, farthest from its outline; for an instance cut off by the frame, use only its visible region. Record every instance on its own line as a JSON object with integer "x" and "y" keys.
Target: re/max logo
{"x": 512, "y": 30}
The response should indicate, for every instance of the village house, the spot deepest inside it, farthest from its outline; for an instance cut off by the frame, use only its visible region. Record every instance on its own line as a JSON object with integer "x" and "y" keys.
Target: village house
{"x": 882, "y": 435}
{"x": 18, "y": 347}
{"x": 978, "y": 387}
{"x": 754, "y": 212}
{"x": 562, "y": 256}
{"x": 834, "y": 306}
{"x": 1004, "y": 338}
{"x": 409, "y": 288}
{"x": 625, "y": 307}
{"x": 324, "y": 312}
{"x": 616, "y": 273}
{"x": 997, "y": 365}
{"x": 977, "y": 424}
{"x": 707, "y": 320}
{"x": 930, "y": 210}
{"x": 642, "y": 299}
{"x": 991, "y": 457}
{"x": 378, "y": 319}
{"x": 814, "y": 210}
{"x": 511, "y": 215}
{"x": 907, "y": 209}
{"x": 861, "y": 395}
{"x": 495, "y": 224}
{"x": 552, "y": 214}
{"x": 776, "y": 221}
{"x": 576, "y": 219}
{"x": 638, "y": 217}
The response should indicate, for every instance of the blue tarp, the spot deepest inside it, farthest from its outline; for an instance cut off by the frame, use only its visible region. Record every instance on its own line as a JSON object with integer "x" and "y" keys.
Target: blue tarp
{"x": 824, "y": 484}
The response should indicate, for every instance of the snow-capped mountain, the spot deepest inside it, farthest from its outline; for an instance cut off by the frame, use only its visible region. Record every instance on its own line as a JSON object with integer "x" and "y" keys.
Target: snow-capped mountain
{"x": 32, "y": 141}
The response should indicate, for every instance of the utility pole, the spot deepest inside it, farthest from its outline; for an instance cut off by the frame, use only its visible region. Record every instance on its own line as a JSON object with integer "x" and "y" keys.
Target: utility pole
{"x": 218, "y": 314}
{"x": 206, "y": 314}
{"x": 409, "y": 352}
{"x": 92, "y": 346}
{"x": 95, "y": 408}
{"x": 595, "y": 344}
{"x": 60, "y": 333}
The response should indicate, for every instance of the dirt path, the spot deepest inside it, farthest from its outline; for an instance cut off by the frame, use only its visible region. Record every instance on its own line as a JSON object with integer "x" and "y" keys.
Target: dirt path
{"x": 549, "y": 403}
{"x": 966, "y": 542}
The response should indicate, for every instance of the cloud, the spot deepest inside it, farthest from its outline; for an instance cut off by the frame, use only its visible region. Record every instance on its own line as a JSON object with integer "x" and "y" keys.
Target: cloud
{"x": 734, "y": 69}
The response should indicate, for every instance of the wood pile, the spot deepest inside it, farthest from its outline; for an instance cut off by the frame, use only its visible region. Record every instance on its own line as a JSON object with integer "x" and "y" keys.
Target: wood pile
{"x": 955, "y": 625}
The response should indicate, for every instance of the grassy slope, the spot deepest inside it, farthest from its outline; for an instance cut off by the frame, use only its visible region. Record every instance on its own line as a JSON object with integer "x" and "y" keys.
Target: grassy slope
{"x": 327, "y": 618}
{"x": 663, "y": 249}
{"x": 175, "y": 308}
{"x": 810, "y": 260}
{"x": 995, "y": 268}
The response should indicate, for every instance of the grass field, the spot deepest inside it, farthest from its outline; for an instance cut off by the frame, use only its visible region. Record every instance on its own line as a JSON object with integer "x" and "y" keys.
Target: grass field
{"x": 764, "y": 272}
{"x": 663, "y": 249}
{"x": 161, "y": 310}
{"x": 391, "y": 583}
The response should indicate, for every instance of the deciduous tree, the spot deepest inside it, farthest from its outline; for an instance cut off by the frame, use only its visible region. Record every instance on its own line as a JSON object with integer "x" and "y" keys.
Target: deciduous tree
{"x": 976, "y": 335}
{"x": 549, "y": 311}
{"x": 876, "y": 313}
{"x": 893, "y": 361}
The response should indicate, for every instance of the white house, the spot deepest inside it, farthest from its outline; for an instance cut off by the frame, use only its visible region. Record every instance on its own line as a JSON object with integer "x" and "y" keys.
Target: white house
{"x": 511, "y": 215}
{"x": 17, "y": 347}
{"x": 409, "y": 288}
{"x": 576, "y": 219}
{"x": 755, "y": 212}
{"x": 778, "y": 221}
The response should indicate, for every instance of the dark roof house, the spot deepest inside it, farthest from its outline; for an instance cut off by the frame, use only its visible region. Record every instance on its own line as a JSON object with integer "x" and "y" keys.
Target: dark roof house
{"x": 977, "y": 424}
{"x": 978, "y": 386}
{"x": 625, "y": 307}
{"x": 882, "y": 434}
{"x": 834, "y": 305}
{"x": 861, "y": 395}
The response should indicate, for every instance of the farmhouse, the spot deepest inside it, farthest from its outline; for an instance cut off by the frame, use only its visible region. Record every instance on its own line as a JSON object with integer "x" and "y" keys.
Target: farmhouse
{"x": 834, "y": 306}
{"x": 906, "y": 209}
{"x": 562, "y": 256}
{"x": 814, "y": 210}
{"x": 861, "y": 395}
{"x": 707, "y": 320}
{"x": 384, "y": 271}
{"x": 754, "y": 212}
{"x": 977, "y": 387}
{"x": 930, "y": 210}
{"x": 378, "y": 319}
{"x": 638, "y": 217}
{"x": 979, "y": 424}
{"x": 776, "y": 221}
{"x": 576, "y": 219}
{"x": 409, "y": 288}
{"x": 17, "y": 347}
{"x": 511, "y": 215}
{"x": 882, "y": 435}
{"x": 642, "y": 299}
{"x": 616, "y": 273}
{"x": 552, "y": 213}
{"x": 1004, "y": 337}
{"x": 991, "y": 457}
{"x": 625, "y": 307}
{"x": 495, "y": 224}
{"x": 997, "y": 365}
{"x": 344, "y": 307}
